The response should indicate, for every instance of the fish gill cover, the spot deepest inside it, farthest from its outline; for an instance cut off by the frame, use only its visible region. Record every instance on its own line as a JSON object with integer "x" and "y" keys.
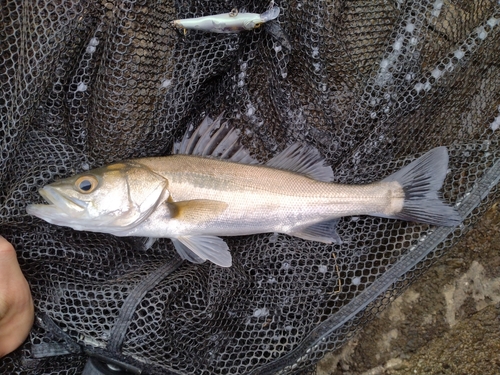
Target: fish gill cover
{"x": 371, "y": 84}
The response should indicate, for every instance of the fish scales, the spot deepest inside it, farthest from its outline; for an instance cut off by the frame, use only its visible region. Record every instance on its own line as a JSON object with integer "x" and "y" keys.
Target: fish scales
{"x": 262, "y": 199}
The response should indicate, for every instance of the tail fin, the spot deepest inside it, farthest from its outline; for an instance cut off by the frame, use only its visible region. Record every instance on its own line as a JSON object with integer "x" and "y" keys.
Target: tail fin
{"x": 421, "y": 181}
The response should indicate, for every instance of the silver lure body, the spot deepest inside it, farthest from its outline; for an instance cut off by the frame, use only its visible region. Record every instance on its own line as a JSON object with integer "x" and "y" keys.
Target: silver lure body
{"x": 227, "y": 22}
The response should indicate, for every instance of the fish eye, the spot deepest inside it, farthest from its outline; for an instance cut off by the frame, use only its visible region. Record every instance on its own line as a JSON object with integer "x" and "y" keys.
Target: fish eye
{"x": 86, "y": 184}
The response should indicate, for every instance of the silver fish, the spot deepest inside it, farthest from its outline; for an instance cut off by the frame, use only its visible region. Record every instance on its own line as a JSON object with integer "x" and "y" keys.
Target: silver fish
{"x": 219, "y": 190}
{"x": 231, "y": 22}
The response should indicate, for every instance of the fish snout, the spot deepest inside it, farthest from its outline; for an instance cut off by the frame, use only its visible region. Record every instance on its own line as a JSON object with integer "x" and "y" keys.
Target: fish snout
{"x": 60, "y": 200}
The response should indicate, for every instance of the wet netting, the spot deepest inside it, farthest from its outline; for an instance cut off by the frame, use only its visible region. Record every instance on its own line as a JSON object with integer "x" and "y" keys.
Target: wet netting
{"x": 371, "y": 84}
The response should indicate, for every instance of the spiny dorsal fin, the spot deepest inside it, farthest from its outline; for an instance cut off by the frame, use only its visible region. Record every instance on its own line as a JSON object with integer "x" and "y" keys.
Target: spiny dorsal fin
{"x": 211, "y": 138}
{"x": 302, "y": 159}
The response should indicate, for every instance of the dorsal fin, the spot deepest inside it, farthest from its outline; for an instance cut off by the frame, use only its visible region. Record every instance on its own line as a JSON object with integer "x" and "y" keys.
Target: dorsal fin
{"x": 211, "y": 138}
{"x": 302, "y": 159}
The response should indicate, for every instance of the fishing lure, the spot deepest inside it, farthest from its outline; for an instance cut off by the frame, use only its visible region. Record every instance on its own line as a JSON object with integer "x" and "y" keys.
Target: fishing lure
{"x": 231, "y": 22}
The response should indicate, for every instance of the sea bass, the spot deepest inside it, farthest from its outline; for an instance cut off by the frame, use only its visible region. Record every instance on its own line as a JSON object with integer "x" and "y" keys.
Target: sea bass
{"x": 212, "y": 187}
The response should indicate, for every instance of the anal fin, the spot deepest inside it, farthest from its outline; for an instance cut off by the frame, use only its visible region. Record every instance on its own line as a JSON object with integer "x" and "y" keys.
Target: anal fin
{"x": 325, "y": 231}
{"x": 197, "y": 249}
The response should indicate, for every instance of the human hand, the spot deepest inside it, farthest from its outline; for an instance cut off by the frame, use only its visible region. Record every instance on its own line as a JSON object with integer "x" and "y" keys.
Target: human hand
{"x": 16, "y": 304}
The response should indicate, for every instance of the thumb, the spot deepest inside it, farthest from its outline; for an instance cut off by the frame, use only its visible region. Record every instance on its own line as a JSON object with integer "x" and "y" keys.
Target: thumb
{"x": 16, "y": 304}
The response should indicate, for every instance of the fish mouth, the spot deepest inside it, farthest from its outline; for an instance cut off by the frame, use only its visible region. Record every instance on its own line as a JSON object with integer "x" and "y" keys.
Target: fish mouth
{"x": 60, "y": 208}
{"x": 61, "y": 200}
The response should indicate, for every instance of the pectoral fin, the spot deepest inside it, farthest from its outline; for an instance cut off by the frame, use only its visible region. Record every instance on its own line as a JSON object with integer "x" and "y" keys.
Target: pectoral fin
{"x": 196, "y": 210}
{"x": 197, "y": 249}
{"x": 324, "y": 231}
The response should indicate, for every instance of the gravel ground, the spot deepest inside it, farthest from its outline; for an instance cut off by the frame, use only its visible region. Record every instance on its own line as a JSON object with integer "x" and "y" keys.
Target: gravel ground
{"x": 447, "y": 322}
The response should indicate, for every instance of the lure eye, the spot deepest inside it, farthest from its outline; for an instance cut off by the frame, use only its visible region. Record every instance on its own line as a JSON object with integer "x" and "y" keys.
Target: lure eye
{"x": 86, "y": 184}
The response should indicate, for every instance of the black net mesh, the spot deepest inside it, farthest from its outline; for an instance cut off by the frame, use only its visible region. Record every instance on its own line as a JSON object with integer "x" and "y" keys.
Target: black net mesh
{"x": 371, "y": 84}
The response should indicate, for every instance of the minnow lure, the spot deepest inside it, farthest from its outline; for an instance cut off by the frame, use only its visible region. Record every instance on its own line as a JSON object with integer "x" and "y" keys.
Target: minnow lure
{"x": 231, "y": 22}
